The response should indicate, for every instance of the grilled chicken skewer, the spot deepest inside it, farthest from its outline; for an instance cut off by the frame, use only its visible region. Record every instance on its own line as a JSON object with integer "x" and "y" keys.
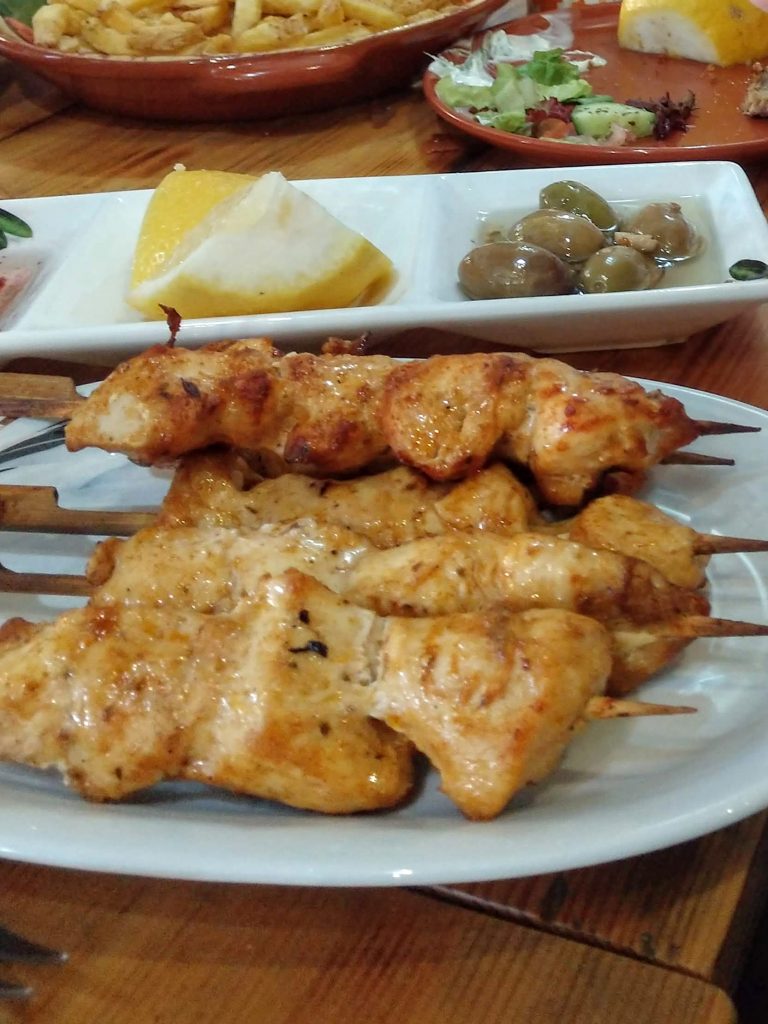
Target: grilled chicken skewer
{"x": 399, "y": 505}
{"x": 387, "y": 509}
{"x": 295, "y": 695}
{"x": 339, "y": 414}
{"x": 650, "y": 620}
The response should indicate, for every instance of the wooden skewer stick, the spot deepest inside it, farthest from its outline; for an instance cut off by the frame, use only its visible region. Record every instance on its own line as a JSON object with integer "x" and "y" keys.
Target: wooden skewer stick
{"x": 36, "y": 408}
{"x": 695, "y": 459}
{"x": 692, "y": 627}
{"x": 612, "y": 707}
{"x": 708, "y": 428}
{"x": 714, "y": 544}
{"x": 50, "y": 397}
{"x": 29, "y": 508}
{"x": 12, "y": 582}
{"x": 37, "y": 396}
{"x": 686, "y": 627}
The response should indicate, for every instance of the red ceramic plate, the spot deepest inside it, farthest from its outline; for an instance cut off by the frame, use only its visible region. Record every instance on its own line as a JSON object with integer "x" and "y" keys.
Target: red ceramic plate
{"x": 230, "y": 87}
{"x": 718, "y": 130}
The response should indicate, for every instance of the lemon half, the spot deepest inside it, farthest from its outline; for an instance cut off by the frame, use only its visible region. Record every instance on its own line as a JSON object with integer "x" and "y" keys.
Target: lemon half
{"x": 219, "y": 244}
{"x": 721, "y": 32}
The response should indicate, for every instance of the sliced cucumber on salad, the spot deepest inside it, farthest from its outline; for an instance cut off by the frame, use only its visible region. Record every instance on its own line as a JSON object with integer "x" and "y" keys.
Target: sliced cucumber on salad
{"x": 545, "y": 97}
{"x": 599, "y": 120}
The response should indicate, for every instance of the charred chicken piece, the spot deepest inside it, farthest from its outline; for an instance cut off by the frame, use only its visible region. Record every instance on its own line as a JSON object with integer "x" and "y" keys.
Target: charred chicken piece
{"x": 337, "y": 414}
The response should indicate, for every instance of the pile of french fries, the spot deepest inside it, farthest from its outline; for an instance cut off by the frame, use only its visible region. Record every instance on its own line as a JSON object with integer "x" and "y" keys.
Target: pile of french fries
{"x": 146, "y": 28}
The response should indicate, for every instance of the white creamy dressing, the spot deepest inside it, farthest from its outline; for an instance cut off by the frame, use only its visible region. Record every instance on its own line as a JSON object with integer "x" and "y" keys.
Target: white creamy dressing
{"x": 497, "y": 47}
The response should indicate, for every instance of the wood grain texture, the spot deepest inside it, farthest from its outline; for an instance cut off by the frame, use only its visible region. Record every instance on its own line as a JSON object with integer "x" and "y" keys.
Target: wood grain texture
{"x": 155, "y": 952}
{"x": 691, "y": 907}
{"x": 25, "y": 99}
{"x": 81, "y": 151}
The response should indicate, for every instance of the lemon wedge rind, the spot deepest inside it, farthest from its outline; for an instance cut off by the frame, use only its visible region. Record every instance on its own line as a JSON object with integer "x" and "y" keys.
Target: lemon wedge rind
{"x": 710, "y": 32}
{"x": 266, "y": 247}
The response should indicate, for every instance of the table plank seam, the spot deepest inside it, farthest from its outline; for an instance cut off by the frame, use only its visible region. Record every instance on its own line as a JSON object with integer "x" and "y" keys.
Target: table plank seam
{"x": 513, "y": 915}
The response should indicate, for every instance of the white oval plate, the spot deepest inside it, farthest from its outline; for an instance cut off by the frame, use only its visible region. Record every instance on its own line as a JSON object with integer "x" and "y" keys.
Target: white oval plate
{"x": 624, "y": 788}
{"x": 425, "y": 223}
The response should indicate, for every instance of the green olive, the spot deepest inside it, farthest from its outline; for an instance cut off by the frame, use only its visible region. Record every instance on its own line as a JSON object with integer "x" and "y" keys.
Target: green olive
{"x": 573, "y": 197}
{"x": 507, "y": 270}
{"x": 618, "y": 268}
{"x": 677, "y": 238}
{"x": 567, "y": 235}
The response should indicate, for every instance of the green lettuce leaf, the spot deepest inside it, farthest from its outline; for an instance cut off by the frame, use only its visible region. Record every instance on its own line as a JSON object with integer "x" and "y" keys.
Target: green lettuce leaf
{"x": 512, "y": 121}
{"x": 478, "y": 97}
{"x": 512, "y": 92}
{"x": 568, "y": 92}
{"x": 549, "y": 67}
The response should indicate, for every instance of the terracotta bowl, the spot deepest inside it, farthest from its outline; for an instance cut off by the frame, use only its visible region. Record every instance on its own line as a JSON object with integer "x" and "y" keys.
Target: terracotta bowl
{"x": 245, "y": 86}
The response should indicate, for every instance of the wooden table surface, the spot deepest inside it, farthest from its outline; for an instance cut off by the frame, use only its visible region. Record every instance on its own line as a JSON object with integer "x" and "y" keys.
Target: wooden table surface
{"x": 651, "y": 939}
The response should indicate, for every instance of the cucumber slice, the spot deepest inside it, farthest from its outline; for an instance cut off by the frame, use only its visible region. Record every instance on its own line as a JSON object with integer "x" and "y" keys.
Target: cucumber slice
{"x": 598, "y": 119}
{"x": 13, "y": 225}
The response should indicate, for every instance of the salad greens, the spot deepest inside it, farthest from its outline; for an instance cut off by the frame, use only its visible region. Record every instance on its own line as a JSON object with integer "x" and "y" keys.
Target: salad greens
{"x": 518, "y": 89}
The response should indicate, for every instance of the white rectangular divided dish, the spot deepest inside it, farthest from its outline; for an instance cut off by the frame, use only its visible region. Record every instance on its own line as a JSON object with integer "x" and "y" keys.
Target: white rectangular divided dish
{"x": 425, "y": 224}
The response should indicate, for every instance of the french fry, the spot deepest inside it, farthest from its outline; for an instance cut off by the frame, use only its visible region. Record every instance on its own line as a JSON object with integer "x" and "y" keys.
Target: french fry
{"x": 104, "y": 39}
{"x": 246, "y": 14}
{"x": 329, "y": 13}
{"x": 347, "y": 32}
{"x": 286, "y": 8}
{"x": 117, "y": 17}
{"x": 221, "y": 43}
{"x": 71, "y": 44}
{"x": 267, "y": 35}
{"x": 370, "y": 13}
{"x": 168, "y": 34}
{"x": 87, "y": 6}
{"x": 141, "y": 28}
{"x": 147, "y": 6}
{"x": 209, "y": 18}
{"x": 50, "y": 23}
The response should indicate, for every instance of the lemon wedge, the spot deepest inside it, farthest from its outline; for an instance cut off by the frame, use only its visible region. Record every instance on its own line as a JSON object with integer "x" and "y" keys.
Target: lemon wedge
{"x": 219, "y": 244}
{"x": 710, "y": 31}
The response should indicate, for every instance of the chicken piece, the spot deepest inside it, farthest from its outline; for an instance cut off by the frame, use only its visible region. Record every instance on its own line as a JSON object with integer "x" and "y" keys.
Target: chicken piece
{"x": 220, "y": 489}
{"x": 454, "y": 573}
{"x": 435, "y": 576}
{"x": 400, "y": 505}
{"x": 119, "y": 696}
{"x": 294, "y": 410}
{"x": 447, "y": 415}
{"x": 621, "y": 523}
{"x": 79, "y": 694}
{"x": 290, "y": 721}
{"x": 568, "y": 427}
{"x": 493, "y": 707}
{"x": 275, "y": 696}
{"x": 208, "y": 569}
{"x": 755, "y": 102}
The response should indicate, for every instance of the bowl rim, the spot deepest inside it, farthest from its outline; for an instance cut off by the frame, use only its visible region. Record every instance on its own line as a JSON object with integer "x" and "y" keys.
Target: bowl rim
{"x": 13, "y": 44}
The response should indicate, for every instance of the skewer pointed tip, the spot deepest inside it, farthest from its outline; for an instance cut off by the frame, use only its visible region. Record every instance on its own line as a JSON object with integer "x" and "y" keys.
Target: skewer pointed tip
{"x": 694, "y": 627}
{"x": 715, "y": 544}
{"x": 695, "y": 459}
{"x": 709, "y": 428}
{"x": 613, "y": 707}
